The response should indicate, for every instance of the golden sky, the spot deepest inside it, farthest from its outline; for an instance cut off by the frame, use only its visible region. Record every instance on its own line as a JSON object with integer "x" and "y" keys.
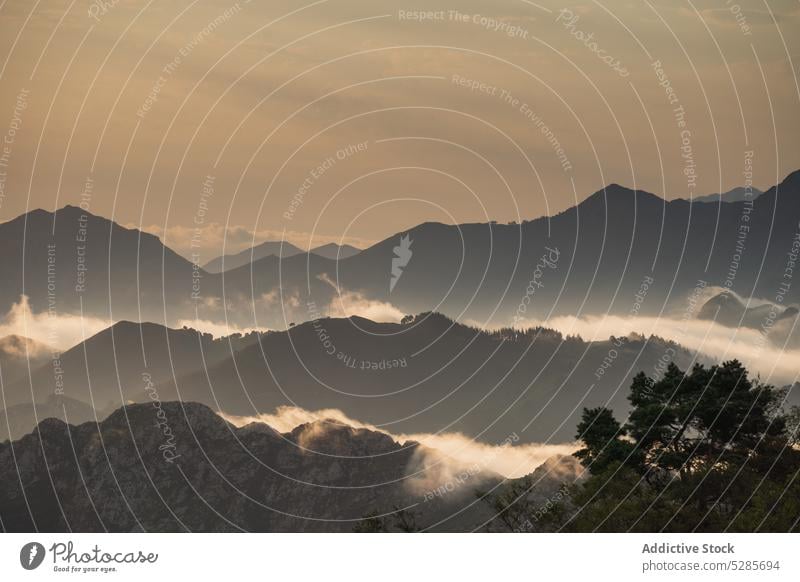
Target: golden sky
{"x": 350, "y": 121}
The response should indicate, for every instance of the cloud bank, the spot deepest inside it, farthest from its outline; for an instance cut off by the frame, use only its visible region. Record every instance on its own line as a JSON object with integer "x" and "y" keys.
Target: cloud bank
{"x": 217, "y": 329}
{"x": 449, "y": 454}
{"x": 59, "y": 331}
{"x": 750, "y": 346}
{"x": 232, "y": 239}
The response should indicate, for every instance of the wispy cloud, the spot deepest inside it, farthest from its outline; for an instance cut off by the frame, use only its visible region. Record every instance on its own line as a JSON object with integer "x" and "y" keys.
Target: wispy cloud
{"x": 213, "y": 239}
{"x": 59, "y": 331}
{"x": 349, "y": 303}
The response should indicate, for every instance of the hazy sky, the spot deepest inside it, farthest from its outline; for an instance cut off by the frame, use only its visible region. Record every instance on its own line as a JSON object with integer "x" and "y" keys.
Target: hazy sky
{"x": 212, "y": 113}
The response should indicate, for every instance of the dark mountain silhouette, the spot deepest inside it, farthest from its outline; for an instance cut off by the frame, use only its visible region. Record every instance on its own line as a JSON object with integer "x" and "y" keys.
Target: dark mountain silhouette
{"x": 116, "y": 475}
{"x": 606, "y": 246}
{"x": 281, "y": 249}
{"x": 428, "y": 374}
{"x": 118, "y": 364}
{"x": 72, "y": 261}
{"x": 778, "y": 324}
{"x": 17, "y": 420}
{"x": 731, "y": 311}
{"x": 736, "y": 195}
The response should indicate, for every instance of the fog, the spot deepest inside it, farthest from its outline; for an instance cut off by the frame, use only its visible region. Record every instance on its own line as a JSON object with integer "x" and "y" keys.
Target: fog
{"x": 217, "y": 329}
{"x": 448, "y": 453}
{"x": 349, "y": 303}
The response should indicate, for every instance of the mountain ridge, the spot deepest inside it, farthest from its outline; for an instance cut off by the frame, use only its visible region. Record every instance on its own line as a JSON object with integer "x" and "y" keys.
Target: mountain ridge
{"x": 478, "y": 270}
{"x": 254, "y": 479}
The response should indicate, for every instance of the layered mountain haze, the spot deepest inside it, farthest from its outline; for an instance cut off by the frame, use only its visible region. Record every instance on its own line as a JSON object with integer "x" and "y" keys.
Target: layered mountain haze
{"x": 769, "y": 348}
{"x": 92, "y": 379}
{"x": 18, "y": 354}
{"x": 731, "y": 310}
{"x": 488, "y": 273}
{"x": 426, "y": 375}
{"x": 483, "y": 271}
{"x": 50, "y": 328}
{"x": 335, "y": 252}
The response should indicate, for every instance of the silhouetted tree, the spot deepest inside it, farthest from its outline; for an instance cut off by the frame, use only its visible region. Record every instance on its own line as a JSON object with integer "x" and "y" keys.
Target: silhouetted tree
{"x": 704, "y": 450}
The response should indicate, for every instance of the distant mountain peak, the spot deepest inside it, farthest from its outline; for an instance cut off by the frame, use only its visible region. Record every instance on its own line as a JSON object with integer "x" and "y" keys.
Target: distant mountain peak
{"x": 335, "y": 251}
{"x": 617, "y": 193}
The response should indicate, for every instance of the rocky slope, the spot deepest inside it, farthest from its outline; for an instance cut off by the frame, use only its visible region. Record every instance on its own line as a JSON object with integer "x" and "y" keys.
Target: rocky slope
{"x": 178, "y": 467}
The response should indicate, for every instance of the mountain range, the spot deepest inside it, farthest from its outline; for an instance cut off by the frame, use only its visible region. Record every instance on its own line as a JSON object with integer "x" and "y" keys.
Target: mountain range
{"x": 280, "y": 249}
{"x": 428, "y": 374}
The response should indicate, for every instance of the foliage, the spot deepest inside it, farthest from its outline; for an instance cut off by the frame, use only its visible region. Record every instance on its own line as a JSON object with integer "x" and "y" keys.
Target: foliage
{"x": 399, "y": 520}
{"x": 705, "y": 450}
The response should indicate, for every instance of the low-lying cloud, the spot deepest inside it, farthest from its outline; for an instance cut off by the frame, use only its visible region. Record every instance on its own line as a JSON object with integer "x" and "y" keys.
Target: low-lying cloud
{"x": 447, "y": 454}
{"x": 750, "y": 346}
{"x": 58, "y": 331}
{"x": 508, "y": 459}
